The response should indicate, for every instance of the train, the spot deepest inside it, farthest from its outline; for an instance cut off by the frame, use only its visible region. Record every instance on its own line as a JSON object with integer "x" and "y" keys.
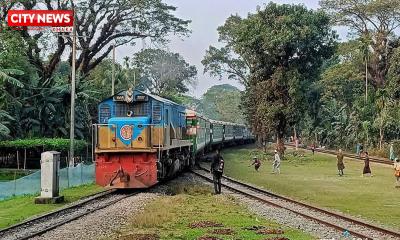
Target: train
{"x": 142, "y": 139}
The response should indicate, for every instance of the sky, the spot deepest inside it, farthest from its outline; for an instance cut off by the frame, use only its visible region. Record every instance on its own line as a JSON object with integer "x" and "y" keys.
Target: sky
{"x": 206, "y": 17}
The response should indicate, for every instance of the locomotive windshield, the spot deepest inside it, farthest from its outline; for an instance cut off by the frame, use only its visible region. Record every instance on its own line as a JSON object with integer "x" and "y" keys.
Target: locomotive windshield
{"x": 136, "y": 109}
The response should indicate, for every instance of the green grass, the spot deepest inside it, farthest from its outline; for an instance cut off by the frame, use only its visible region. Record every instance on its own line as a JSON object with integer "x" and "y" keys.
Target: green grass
{"x": 315, "y": 180}
{"x": 18, "y": 209}
{"x": 9, "y": 174}
{"x": 169, "y": 217}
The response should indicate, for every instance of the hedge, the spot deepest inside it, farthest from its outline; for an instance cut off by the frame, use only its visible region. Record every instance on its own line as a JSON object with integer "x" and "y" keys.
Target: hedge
{"x": 57, "y": 144}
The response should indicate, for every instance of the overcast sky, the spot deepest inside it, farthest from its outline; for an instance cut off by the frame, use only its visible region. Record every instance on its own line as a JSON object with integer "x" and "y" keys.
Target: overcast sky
{"x": 206, "y": 16}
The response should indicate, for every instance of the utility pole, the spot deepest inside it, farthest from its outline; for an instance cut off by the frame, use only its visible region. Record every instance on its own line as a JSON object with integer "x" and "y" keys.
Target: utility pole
{"x": 366, "y": 79}
{"x": 72, "y": 125}
{"x": 113, "y": 73}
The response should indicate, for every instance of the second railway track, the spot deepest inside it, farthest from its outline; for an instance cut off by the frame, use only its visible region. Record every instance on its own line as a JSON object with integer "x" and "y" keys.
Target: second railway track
{"x": 42, "y": 224}
{"x": 339, "y": 222}
{"x": 348, "y": 155}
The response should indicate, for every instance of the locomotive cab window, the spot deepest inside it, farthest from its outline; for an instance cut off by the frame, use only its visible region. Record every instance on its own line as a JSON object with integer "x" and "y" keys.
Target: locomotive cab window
{"x": 136, "y": 109}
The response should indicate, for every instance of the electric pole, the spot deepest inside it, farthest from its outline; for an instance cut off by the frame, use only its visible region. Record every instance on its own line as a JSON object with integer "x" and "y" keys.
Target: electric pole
{"x": 366, "y": 79}
{"x": 113, "y": 73}
{"x": 72, "y": 125}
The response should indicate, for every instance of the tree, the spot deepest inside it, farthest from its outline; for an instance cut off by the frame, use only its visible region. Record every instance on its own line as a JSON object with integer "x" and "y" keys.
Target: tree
{"x": 164, "y": 73}
{"x": 286, "y": 46}
{"x": 222, "y": 102}
{"x": 225, "y": 61}
{"x": 375, "y": 22}
{"x": 103, "y": 24}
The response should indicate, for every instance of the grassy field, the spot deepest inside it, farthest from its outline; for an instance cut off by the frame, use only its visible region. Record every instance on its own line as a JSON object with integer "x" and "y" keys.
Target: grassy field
{"x": 17, "y": 209}
{"x": 314, "y": 179}
{"x": 187, "y": 214}
{"x": 9, "y": 174}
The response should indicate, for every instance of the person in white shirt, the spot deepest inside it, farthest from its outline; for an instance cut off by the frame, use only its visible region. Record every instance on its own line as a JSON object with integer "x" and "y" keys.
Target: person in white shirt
{"x": 276, "y": 163}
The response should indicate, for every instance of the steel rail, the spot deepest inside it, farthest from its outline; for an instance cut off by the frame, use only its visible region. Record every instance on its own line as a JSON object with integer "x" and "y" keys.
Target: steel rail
{"x": 348, "y": 155}
{"x": 317, "y": 209}
{"x": 90, "y": 199}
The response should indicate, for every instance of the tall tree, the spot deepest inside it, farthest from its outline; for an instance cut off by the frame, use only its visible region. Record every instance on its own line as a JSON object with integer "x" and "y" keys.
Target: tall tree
{"x": 375, "y": 21}
{"x": 221, "y": 62}
{"x": 222, "y": 102}
{"x": 100, "y": 24}
{"x": 285, "y": 46}
{"x": 164, "y": 73}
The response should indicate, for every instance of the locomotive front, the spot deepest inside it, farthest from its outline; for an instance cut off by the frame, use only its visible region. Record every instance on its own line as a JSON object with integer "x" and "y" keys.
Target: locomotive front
{"x": 124, "y": 154}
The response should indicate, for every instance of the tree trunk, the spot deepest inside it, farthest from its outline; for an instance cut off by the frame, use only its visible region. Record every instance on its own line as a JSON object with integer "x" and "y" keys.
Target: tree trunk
{"x": 296, "y": 142}
{"x": 380, "y": 137}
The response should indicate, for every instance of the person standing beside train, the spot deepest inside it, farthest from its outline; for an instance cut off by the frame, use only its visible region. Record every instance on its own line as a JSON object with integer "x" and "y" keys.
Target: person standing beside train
{"x": 217, "y": 169}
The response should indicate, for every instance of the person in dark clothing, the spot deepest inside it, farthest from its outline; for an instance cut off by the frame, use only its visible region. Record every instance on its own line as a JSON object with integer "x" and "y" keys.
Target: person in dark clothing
{"x": 217, "y": 168}
{"x": 256, "y": 163}
{"x": 313, "y": 148}
{"x": 340, "y": 164}
{"x": 367, "y": 169}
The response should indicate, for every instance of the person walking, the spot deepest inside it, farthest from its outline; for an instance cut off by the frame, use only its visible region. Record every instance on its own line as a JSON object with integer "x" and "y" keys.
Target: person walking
{"x": 277, "y": 163}
{"x": 367, "y": 169}
{"x": 217, "y": 168}
{"x": 340, "y": 163}
{"x": 391, "y": 153}
{"x": 358, "y": 145}
{"x": 256, "y": 163}
{"x": 397, "y": 172}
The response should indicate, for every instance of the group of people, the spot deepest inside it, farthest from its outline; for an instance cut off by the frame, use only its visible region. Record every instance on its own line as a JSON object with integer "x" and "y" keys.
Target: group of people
{"x": 367, "y": 168}
{"x": 218, "y": 164}
{"x": 276, "y": 164}
{"x": 340, "y": 163}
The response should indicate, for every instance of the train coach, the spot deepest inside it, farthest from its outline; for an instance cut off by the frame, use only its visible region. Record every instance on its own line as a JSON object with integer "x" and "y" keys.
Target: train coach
{"x": 141, "y": 139}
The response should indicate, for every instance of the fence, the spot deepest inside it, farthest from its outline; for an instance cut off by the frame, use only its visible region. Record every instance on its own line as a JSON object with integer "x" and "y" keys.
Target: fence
{"x": 69, "y": 177}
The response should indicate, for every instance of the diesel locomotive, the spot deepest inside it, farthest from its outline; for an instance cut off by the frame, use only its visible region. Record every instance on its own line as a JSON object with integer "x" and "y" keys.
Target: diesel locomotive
{"x": 141, "y": 139}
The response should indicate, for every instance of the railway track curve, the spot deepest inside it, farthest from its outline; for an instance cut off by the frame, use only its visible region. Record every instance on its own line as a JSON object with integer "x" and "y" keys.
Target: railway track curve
{"x": 348, "y": 155}
{"x": 356, "y": 228}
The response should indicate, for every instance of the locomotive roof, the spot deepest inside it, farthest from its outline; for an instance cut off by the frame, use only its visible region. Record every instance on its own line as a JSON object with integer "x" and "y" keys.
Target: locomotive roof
{"x": 158, "y": 98}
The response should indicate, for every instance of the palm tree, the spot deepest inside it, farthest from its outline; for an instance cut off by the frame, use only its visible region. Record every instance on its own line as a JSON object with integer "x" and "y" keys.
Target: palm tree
{"x": 5, "y": 119}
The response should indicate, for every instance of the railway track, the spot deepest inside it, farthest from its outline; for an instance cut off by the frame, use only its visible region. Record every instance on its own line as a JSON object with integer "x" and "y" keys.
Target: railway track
{"x": 348, "y": 155}
{"x": 354, "y": 227}
{"x": 42, "y": 224}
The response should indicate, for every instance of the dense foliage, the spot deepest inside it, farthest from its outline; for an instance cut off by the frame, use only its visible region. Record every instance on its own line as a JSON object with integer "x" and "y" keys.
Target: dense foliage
{"x": 300, "y": 80}
{"x": 57, "y": 144}
{"x": 35, "y": 65}
{"x": 284, "y": 47}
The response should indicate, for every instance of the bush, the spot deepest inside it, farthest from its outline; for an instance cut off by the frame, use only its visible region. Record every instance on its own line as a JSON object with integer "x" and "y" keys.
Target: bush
{"x": 57, "y": 144}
